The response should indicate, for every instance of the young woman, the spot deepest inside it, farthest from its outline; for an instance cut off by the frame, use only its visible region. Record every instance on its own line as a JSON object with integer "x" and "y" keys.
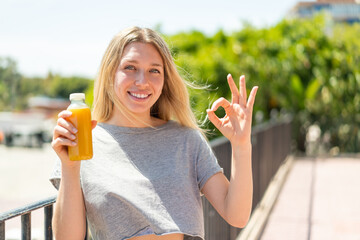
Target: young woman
{"x": 151, "y": 163}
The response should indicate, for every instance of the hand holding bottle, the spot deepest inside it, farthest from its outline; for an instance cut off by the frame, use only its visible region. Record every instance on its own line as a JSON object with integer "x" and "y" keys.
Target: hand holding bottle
{"x": 72, "y": 138}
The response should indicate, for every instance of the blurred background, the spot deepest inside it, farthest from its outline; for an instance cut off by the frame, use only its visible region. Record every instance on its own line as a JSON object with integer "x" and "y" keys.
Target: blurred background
{"x": 305, "y": 61}
{"x": 305, "y": 56}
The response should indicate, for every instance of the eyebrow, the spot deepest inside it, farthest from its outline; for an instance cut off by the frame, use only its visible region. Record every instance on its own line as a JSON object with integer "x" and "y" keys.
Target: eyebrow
{"x": 135, "y": 61}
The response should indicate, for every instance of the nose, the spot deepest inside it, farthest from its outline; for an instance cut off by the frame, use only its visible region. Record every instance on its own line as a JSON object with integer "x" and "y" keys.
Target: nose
{"x": 141, "y": 78}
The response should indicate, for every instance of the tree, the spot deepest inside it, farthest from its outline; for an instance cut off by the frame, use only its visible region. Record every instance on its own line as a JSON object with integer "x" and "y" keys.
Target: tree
{"x": 9, "y": 84}
{"x": 63, "y": 86}
{"x": 301, "y": 69}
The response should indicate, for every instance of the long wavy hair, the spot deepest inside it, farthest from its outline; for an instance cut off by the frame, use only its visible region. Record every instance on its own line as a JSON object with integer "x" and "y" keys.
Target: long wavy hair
{"x": 173, "y": 103}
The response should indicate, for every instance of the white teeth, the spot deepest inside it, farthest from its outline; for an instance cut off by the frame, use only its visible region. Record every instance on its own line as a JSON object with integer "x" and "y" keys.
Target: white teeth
{"x": 139, "y": 95}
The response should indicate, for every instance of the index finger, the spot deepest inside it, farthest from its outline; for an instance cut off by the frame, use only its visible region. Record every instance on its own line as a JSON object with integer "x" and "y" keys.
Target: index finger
{"x": 64, "y": 114}
{"x": 221, "y": 102}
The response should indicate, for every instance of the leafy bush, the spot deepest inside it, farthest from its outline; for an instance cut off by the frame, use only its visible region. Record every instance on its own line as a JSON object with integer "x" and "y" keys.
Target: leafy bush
{"x": 309, "y": 68}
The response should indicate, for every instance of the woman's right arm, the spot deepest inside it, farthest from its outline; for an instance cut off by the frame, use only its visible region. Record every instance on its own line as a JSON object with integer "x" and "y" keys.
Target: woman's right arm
{"x": 69, "y": 220}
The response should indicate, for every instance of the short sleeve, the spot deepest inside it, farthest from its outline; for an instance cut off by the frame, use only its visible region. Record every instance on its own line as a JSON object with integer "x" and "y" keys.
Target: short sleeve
{"x": 206, "y": 162}
{"x": 55, "y": 176}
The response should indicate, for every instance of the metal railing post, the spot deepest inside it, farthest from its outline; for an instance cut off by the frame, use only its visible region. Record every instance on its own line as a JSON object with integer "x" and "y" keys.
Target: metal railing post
{"x": 48, "y": 212}
{"x": 25, "y": 213}
{"x": 2, "y": 230}
{"x": 26, "y": 226}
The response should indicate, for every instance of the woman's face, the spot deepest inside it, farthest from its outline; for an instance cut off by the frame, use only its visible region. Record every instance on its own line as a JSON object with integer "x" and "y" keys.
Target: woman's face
{"x": 139, "y": 78}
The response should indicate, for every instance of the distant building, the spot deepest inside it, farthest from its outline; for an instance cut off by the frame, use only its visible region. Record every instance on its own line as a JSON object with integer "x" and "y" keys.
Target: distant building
{"x": 24, "y": 129}
{"x": 33, "y": 126}
{"x": 49, "y": 106}
{"x": 340, "y": 10}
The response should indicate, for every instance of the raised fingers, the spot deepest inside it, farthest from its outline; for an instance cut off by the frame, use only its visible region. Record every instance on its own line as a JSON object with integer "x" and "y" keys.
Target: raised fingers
{"x": 251, "y": 100}
{"x": 234, "y": 91}
{"x": 243, "y": 94}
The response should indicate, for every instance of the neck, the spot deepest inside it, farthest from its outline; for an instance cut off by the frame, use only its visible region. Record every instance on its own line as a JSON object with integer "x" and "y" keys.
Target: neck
{"x": 137, "y": 121}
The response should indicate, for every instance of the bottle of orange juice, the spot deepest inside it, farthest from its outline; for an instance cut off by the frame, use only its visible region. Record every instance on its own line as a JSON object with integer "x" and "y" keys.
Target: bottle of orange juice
{"x": 81, "y": 119}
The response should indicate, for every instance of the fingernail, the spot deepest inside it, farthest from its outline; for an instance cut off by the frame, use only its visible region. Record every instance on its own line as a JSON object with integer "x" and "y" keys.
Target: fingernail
{"x": 73, "y": 143}
{"x": 72, "y": 136}
{"x": 74, "y": 130}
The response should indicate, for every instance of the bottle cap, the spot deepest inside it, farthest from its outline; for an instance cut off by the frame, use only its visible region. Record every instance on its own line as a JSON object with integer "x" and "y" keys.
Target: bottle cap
{"x": 77, "y": 96}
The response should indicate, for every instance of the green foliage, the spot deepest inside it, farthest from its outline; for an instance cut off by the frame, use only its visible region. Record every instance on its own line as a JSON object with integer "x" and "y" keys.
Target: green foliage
{"x": 63, "y": 86}
{"x": 15, "y": 89}
{"x": 89, "y": 94}
{"x": 9, "y": 84}
{"x": 309, "y": 68}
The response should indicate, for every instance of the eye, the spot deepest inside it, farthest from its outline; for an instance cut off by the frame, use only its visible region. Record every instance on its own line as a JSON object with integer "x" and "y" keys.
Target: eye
{"x": 129, "y": 67}
{"x": 154, "y": 70}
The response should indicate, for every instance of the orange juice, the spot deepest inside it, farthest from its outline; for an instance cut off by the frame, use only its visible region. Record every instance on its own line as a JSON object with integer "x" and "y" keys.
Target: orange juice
{"x": 81, "y": 119}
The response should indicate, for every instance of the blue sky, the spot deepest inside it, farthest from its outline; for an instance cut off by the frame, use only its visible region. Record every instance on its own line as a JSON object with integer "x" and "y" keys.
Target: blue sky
{"x": 70, "y": 36}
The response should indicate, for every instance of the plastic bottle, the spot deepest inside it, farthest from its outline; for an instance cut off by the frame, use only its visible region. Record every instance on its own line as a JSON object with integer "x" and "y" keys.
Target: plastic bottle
{"x": 81, "y": 119}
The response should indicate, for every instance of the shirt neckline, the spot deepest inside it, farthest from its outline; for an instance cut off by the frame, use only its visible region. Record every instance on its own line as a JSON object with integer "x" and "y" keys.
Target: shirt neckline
{"x": 133, "y": 130}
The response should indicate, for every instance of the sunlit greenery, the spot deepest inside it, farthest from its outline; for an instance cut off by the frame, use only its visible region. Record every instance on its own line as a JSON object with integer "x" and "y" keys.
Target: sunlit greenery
{"x": 16, "y": 89}
{"x": 307, "y": 68}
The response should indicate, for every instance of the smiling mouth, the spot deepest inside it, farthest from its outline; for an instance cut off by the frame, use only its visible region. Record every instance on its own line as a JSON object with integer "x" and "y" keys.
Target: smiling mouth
{"x": 139, "y": 95}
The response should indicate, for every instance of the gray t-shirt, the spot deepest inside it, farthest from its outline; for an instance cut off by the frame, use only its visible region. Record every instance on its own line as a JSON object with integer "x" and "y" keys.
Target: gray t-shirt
{"x": 145, "y": 181}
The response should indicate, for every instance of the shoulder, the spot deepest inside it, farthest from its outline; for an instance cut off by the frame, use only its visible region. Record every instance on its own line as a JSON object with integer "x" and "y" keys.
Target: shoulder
{"x": 186, "y": 134}
{"x": 184, "y": 130}
{"x": 102, "y": 134}
{"x": 99, "y": 130}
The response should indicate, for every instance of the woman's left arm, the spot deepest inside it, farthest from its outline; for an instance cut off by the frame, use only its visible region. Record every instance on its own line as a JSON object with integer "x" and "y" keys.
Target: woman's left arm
{"x": 233, "y": 200}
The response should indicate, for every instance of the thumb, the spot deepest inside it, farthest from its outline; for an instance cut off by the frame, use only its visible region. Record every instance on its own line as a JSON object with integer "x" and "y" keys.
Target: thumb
{"x": 93, "y": 124}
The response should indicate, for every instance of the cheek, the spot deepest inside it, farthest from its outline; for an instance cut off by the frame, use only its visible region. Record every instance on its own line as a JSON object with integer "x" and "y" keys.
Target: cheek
{"x": 116, "y": 87}
{"x": 160, "y": 84}
{"x": 119, "y": 83}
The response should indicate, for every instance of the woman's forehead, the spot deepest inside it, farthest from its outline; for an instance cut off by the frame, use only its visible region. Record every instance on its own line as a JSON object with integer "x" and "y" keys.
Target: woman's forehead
{"x": 141, "y": 51}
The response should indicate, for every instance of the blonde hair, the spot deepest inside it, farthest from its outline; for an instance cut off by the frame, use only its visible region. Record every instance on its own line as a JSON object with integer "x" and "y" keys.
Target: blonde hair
{"x": 173, "y": 103}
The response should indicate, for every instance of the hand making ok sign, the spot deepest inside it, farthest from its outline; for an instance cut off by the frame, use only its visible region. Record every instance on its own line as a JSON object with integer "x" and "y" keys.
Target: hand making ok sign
{"x": 236, "y": 124}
